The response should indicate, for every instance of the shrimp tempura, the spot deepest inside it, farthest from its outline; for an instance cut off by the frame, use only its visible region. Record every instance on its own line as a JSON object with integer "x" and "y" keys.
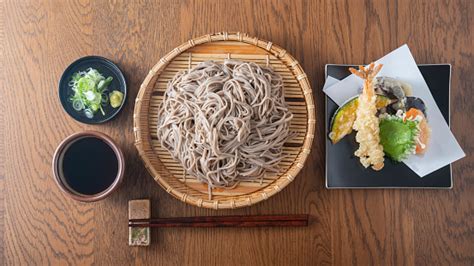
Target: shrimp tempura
{"x": 366, "y": 124}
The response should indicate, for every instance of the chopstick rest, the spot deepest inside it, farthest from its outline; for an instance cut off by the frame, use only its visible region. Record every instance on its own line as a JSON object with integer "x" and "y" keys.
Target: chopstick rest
{"x": 139, "y": 209}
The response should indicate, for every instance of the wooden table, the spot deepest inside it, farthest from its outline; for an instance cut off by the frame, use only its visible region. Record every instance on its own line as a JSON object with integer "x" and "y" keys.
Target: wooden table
{"x": 38, "y": 224}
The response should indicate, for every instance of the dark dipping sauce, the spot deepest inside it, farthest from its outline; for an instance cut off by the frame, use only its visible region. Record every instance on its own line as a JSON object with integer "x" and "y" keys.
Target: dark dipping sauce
{"x": 90, "y": 166}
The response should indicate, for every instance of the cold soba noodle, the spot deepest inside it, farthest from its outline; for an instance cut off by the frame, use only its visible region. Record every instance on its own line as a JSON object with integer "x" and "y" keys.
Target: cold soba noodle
{"x": 225, "y": 123}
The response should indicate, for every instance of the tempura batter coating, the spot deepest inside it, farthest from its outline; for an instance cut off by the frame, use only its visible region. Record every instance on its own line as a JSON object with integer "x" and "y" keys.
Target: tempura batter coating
{"x": 366, "y": 124}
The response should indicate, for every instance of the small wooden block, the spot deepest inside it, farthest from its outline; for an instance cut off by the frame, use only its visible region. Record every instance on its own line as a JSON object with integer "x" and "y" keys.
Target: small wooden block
{"x": 139, "y": 209}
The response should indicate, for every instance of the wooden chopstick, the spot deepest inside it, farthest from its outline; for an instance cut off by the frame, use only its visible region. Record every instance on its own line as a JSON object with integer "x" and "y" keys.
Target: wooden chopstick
{"x": 223, "y": 221}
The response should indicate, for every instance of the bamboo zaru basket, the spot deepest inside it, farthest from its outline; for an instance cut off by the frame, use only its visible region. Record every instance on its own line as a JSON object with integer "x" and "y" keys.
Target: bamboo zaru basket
{"x": 218, "y": 47}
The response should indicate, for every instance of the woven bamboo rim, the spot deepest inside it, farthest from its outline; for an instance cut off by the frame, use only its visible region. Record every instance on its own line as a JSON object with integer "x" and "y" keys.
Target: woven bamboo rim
{"x": 229, "y": 45}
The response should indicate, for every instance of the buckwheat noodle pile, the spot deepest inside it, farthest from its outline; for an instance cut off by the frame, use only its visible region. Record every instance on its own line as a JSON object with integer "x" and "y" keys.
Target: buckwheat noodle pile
{"x": 225, "y": 123}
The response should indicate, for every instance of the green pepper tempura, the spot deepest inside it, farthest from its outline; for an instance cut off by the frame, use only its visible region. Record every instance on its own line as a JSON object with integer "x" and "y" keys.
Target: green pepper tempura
{"x": 90, "y": 92}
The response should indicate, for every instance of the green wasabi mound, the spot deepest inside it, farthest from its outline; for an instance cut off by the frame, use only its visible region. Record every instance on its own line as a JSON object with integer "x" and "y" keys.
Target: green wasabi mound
{"x": 398, "y": 137}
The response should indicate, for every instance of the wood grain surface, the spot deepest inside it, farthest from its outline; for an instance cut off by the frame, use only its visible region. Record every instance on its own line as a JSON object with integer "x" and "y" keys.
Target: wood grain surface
{"x": 39, "y": 225}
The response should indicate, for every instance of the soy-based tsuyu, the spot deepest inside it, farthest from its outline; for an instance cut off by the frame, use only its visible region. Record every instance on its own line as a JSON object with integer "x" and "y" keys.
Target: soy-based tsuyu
{"x": 90, "y": 166}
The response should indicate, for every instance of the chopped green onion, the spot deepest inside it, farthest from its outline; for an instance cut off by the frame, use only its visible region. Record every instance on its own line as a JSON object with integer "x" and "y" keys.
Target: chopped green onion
{"x": 89, "y": 114}
{"x": 103, "y": 84}
{"x": 100, "y": 85}
{"x": 89, "y": 89}
{"x": 105, "y": 98}
{"x": 94, "y": 107}
{"x": 77, "y": 104}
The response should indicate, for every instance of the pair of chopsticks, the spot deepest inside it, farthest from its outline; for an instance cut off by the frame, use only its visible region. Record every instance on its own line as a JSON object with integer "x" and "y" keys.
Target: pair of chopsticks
{"x": 224, "y": 221}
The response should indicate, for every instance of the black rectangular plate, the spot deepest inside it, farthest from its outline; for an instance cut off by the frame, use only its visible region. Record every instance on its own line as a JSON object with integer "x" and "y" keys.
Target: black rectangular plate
{"x": 343, "y": 169}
